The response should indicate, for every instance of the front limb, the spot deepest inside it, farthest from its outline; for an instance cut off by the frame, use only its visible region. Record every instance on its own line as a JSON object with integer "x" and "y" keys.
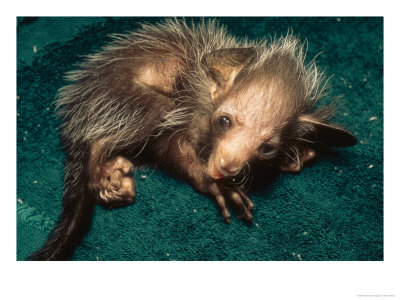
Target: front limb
{"x": 238, "y": 198}
{"x": 193, "y": 170}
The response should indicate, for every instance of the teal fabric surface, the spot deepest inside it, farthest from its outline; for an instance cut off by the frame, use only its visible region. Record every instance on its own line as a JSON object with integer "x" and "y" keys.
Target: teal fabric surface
{"x": 330, "y": 211}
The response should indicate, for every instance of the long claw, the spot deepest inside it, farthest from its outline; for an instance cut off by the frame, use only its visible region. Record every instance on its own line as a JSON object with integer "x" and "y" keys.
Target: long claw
{"x": 240, "y": 200}
{"x": 246, "y": 217}
{"x": 249, "y": 203}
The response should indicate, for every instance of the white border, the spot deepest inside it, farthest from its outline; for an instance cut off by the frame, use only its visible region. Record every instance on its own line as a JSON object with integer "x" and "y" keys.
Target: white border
{"x": 207, "y": 280}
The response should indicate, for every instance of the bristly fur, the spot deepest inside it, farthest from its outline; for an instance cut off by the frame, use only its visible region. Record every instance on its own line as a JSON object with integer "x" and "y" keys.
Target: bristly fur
{"x": 172, "y": 38}
{"x": 147, "y": 95}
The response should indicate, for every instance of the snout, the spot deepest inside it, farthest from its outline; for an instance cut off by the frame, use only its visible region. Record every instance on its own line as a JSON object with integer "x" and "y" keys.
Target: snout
{"x": 223, "y": 166}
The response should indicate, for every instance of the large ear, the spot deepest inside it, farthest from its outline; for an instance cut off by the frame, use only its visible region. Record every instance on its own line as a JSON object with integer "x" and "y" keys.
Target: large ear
{"x": 330, "y": 134}
{"x": 224, "y": 65}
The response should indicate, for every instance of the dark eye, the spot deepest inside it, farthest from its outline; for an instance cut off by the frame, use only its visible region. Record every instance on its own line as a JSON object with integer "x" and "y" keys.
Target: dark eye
{"x": 266, "y": 149}
{"x": 225, "y": 123}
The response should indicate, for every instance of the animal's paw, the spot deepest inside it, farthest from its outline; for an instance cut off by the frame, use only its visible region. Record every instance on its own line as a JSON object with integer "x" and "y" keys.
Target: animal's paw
{"x": 116, "y": 186}
{"x": 294, "y": 166}
{"x": 236, "y": 198}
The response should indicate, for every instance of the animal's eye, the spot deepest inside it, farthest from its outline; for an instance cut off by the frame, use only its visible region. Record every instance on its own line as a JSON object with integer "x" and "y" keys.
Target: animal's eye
{"x": 225, "y": 123}
{"x": 266, "y": 149}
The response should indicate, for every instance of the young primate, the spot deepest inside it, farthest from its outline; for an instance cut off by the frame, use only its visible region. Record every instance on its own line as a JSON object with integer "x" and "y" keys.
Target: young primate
{"x": 192, "y": 100}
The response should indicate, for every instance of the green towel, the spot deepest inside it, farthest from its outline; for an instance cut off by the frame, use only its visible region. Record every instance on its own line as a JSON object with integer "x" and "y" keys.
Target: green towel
{"x": 330, "y": 211}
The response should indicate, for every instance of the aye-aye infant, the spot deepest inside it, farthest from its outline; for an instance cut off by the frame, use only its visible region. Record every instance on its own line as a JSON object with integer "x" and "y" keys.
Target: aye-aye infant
{"x": 192, "y": 100}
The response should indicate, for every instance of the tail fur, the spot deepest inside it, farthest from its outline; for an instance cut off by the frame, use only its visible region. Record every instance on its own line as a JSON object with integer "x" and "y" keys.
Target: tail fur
{"x": 75, "y": 219}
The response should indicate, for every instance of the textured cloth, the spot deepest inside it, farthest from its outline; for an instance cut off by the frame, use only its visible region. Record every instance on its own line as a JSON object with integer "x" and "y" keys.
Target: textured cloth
{"x": 330, "y": 211}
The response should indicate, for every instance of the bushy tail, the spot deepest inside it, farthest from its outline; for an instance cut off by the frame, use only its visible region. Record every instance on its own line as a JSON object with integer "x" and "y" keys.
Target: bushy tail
{"x": 75, "y": 219}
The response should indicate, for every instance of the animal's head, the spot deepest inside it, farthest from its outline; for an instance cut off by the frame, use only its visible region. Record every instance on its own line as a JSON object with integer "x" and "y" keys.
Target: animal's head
{"x": 265, "y": 98}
